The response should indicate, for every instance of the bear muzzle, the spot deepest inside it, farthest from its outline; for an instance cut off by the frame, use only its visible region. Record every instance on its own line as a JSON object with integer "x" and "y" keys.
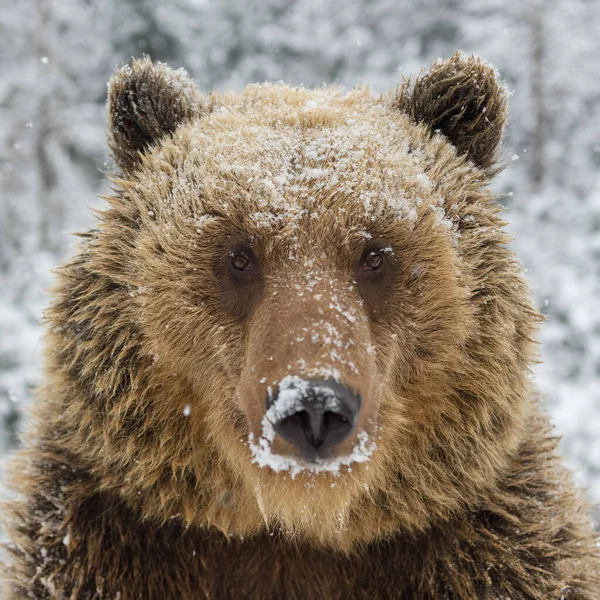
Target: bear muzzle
{"x": 314, "y": 416}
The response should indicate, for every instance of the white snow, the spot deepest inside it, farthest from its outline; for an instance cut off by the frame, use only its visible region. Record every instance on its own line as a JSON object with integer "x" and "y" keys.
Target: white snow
{"x": 263, "y": 455}
{"x": 292, "y": 391}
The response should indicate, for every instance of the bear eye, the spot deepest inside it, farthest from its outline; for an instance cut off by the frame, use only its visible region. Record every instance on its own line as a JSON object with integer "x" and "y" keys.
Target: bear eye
{"x": 373, "y": 262}
{"x": 240, "y": 261}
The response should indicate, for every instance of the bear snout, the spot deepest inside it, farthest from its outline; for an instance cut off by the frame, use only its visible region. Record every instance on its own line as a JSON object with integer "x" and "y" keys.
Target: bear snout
{"x": 314, "y": 416}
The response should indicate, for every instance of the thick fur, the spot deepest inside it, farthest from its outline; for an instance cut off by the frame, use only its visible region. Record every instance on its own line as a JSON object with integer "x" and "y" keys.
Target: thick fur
{"x": 462, "y": 99}
{"x": 126, "y": 494}
{"x": 517, "y": 542}
{"x": 146, "y": 102}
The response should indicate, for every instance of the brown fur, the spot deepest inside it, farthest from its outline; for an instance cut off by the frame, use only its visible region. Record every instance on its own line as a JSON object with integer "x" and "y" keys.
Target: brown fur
{"x": 146, "y": 102}
{"x": 125, "y": 496}
{"x": 461, "y": 98}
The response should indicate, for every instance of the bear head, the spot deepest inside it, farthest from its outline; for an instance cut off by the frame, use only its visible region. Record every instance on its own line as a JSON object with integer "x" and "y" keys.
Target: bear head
{"x": 299, "y": 312}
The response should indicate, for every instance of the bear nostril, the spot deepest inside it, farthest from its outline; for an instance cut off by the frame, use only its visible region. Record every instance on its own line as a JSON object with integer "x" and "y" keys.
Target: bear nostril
{"x": 299, "y": 421}
{"x": 335, "y": 421}
{"x": 337, "y": 427}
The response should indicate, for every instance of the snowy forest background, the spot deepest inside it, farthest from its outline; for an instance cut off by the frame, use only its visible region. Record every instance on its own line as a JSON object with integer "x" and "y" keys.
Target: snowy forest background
{"x": 56, "y": 57}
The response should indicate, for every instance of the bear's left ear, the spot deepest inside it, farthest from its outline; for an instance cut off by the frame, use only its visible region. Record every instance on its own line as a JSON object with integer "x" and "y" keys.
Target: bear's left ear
{"x": 147, "y": 101}
{"x": 463, "y": 99}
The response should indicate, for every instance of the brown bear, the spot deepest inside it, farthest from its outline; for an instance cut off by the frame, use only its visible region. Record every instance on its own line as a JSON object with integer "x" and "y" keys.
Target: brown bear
{"x": 292, "y": 361}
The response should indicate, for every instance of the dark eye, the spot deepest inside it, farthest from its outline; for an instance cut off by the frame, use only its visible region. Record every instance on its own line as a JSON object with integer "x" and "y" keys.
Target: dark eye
{"x": 373, "y": 262}
{"x": 240, "y": 262}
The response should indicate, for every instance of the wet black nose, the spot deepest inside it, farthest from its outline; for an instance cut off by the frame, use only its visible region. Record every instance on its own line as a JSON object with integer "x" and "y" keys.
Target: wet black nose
{"x": 313, "y": 415}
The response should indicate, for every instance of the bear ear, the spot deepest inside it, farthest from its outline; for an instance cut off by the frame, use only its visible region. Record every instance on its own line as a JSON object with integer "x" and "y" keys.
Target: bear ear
{"x": 147, "y": 101}
{"x": 463, "y": 99}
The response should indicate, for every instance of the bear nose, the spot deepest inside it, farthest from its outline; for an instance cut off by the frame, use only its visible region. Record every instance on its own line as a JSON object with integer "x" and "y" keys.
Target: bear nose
{"x": 314, "y": 415}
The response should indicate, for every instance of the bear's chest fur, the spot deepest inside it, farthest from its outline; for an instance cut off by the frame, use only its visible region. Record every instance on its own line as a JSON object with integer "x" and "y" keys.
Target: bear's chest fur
{"x": 143, "y": 560}
{"x": 120, "y": 556}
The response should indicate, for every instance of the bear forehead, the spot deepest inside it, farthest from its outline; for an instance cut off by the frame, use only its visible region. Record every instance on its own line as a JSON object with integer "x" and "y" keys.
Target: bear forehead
{"x": 273, "y": 155}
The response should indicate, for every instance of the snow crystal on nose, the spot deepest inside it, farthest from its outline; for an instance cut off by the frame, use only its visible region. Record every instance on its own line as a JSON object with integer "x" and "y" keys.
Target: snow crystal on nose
{"x": 263, "y": 455}
{"x": 294, "y": 392}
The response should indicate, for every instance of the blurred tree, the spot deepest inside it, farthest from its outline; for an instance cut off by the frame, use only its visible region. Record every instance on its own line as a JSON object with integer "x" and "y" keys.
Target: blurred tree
{"x": 535, "y": 18}
{"x": 137, "y": 29}
{"x": 51, "y": 151}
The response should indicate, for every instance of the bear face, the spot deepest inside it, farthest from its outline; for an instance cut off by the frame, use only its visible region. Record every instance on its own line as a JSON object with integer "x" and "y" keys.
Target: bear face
{"x": 281, "y": 248}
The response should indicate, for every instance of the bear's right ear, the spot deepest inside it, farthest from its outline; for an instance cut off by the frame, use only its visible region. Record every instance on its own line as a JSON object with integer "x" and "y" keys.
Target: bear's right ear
{"x": 147, "y": 101}
{"x": 464, "y": 100}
